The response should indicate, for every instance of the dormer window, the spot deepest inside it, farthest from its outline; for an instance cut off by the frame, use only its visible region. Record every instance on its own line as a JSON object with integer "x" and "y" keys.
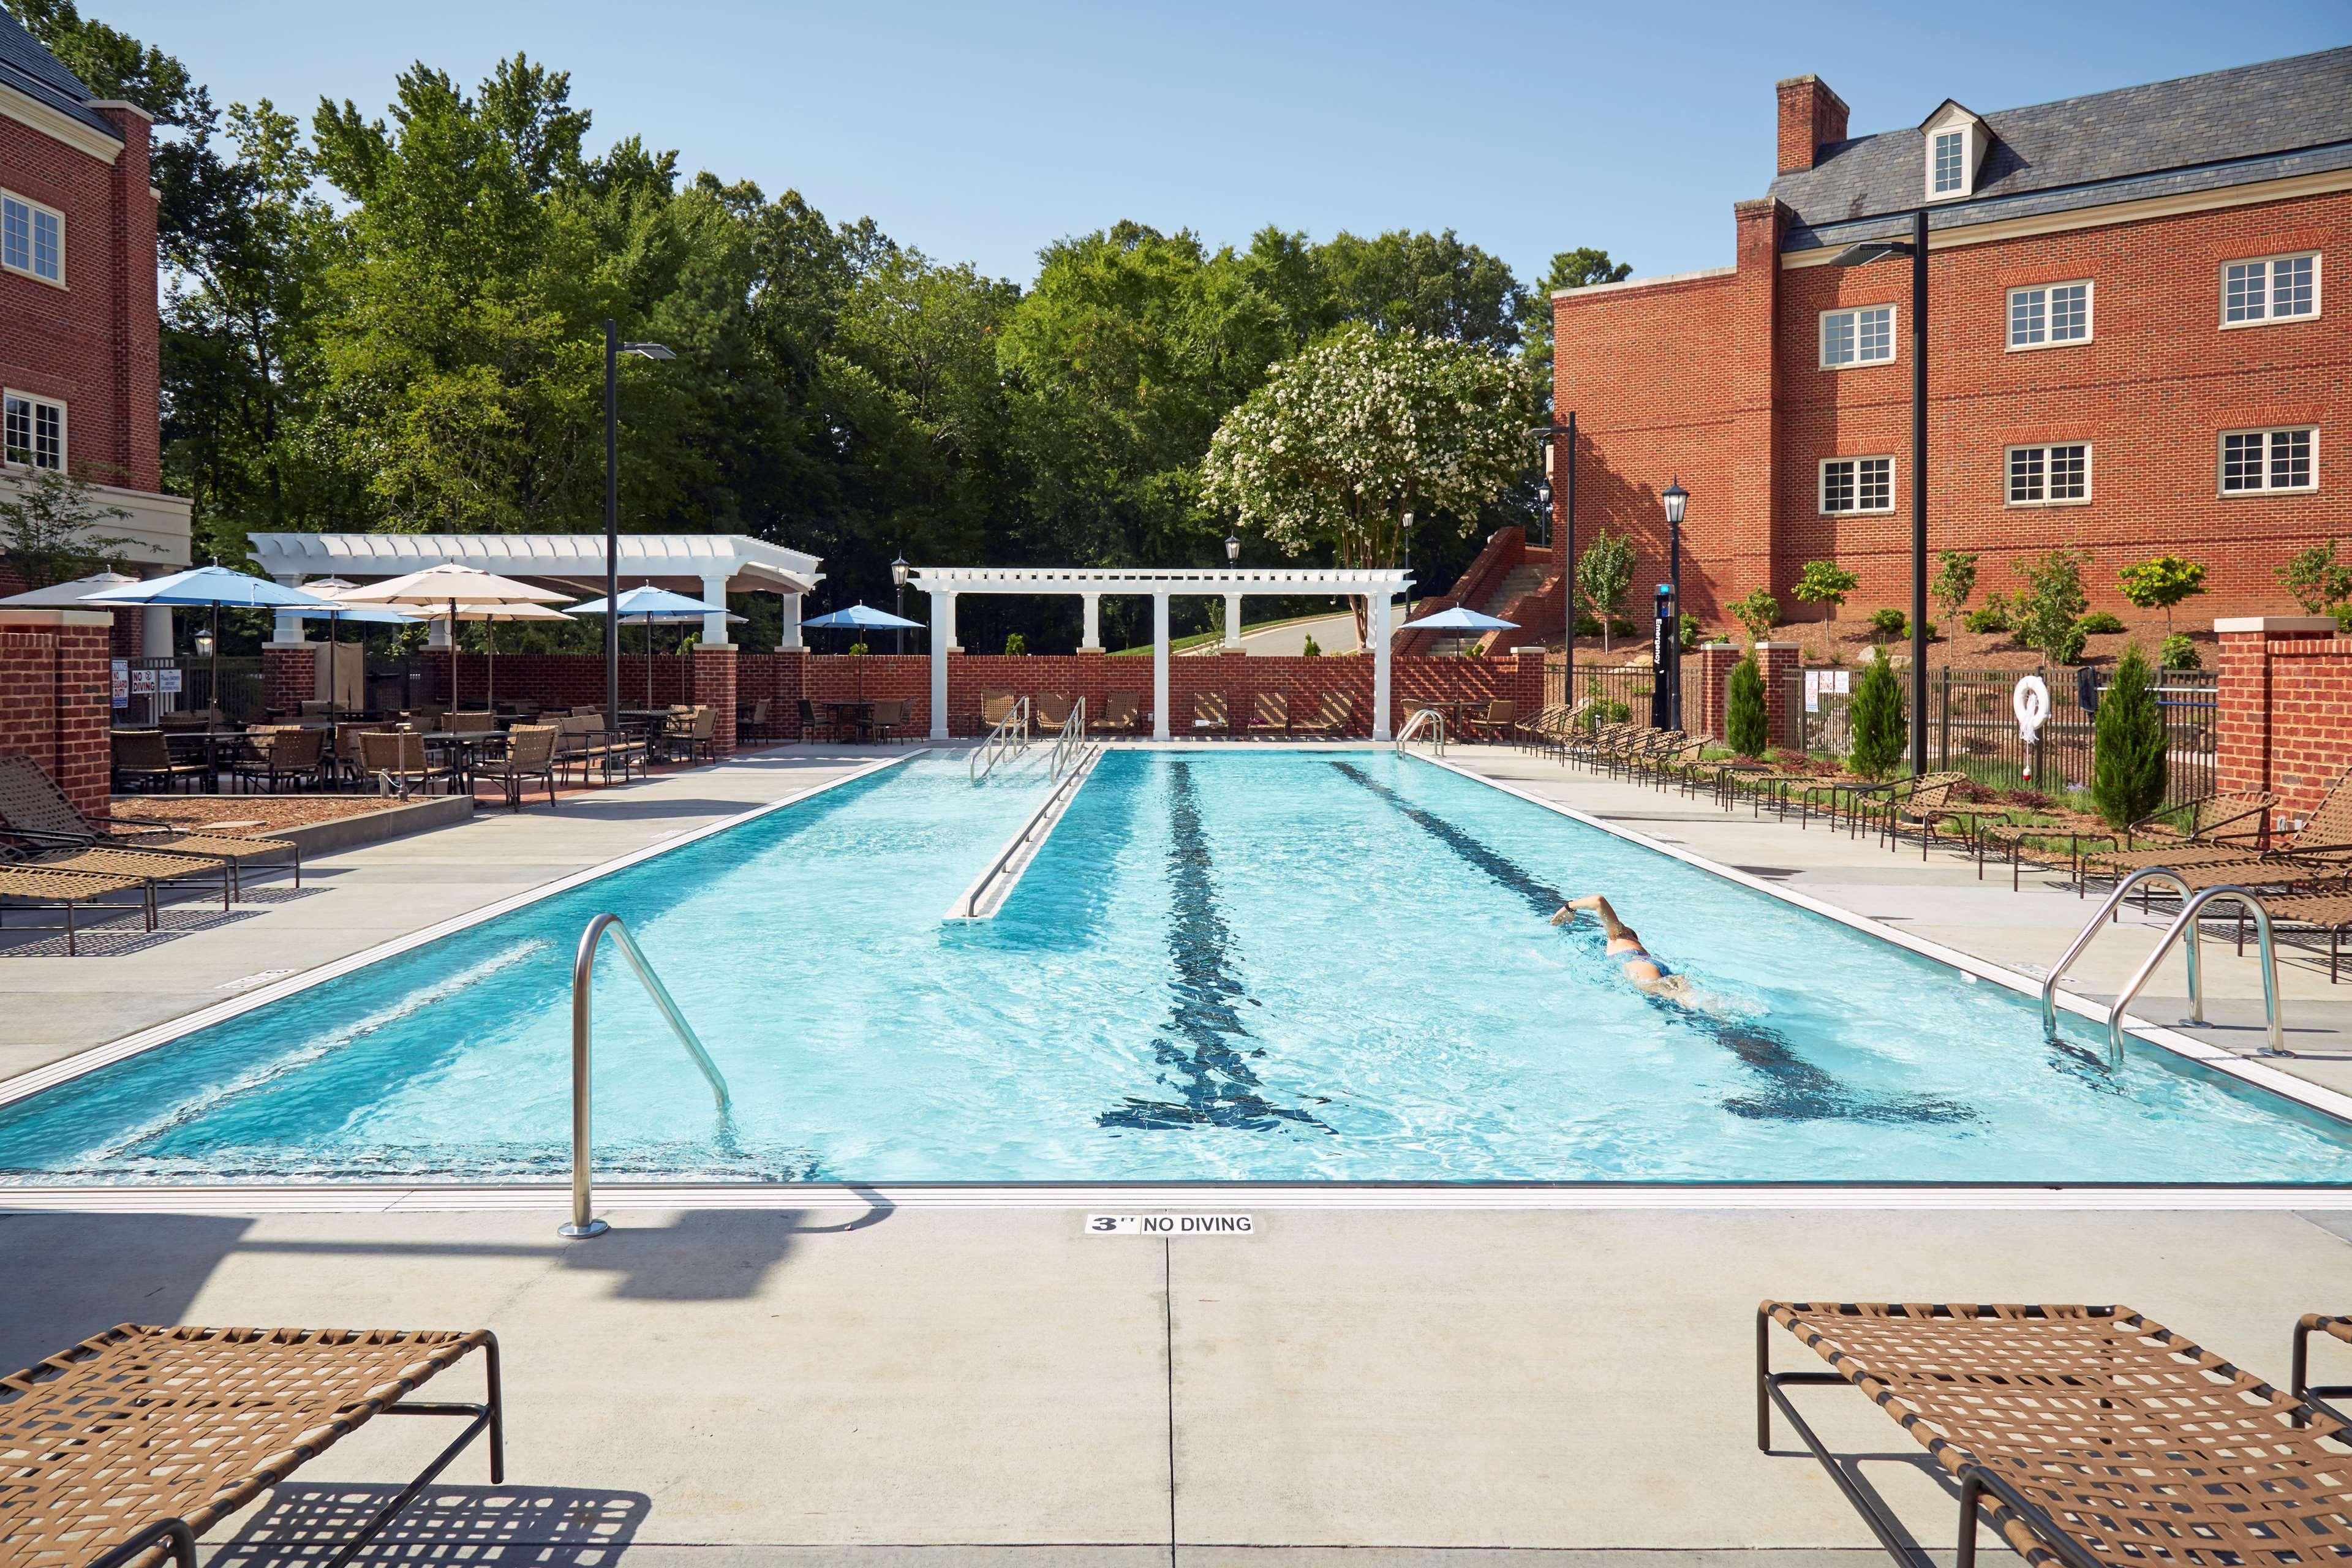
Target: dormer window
{"x": 1956, "y": 143}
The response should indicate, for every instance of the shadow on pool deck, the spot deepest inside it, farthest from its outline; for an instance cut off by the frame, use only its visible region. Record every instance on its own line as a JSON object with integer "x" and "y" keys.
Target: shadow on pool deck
{"x": 548, "y": 1527}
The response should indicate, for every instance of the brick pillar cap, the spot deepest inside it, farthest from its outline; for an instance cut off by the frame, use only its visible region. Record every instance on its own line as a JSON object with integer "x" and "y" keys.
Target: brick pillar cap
{"x": 1724, "y": 643}
{"x": 1779, "y": 646}
{"x": 281, "y": 647}
{"x": 714, "y": 648}
{"x": 1528, "y": 650}
{"x": 90, "y": 617}
{"x": 2276, "y": 624}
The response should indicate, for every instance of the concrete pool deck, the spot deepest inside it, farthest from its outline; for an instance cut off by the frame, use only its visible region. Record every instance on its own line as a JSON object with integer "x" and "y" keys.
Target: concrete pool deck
{"x": 868, "y": 1381}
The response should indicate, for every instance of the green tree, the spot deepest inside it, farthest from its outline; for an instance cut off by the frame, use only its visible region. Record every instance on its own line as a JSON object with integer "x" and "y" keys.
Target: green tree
{"x": 1431, "y": 284}
{"x": 2046, "y": 616}
{"x": 2162, "y": 582}
{"x": 1363, "y": 429}
{"x": 1603, "y": 573}
{"x": 1747, "y": 722}
{"x": 46, "y": 523}
{"x": 1826, "y": 582}
{"x": 2316, "y": 579}
{"x": 1578, "y": 269}
{"x": 1954, "y": 582}
{"x": 1877, "y": 716}
{"x": 2129, "y": 748}
{"x": 1759, "y": 613}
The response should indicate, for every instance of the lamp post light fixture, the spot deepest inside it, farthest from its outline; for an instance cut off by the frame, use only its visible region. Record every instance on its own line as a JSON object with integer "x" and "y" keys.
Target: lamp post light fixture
{"x": 899, "y": 602}
{"x": 1404, "y": 532}
{"x": 1863, "y": 255}
{"x": 1232, "y": 548}
{"x": 1676, "y": 498}
{"x": 1549, "y": 435}
{"x": 614, "y": 349}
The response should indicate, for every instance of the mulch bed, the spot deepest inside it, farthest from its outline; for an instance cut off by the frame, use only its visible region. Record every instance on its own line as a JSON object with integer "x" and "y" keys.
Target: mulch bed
{"x": 270, "y": 811}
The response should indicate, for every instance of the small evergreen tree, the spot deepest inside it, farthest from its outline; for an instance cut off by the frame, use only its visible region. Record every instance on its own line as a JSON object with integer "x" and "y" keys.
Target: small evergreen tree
{"x": 1877, "y": 718}
{"x": 2129, "y": 751}
{"x": 1015, "y": 645}
{"x": 1313, "y": 649}
{"x": 1746, "y": 721}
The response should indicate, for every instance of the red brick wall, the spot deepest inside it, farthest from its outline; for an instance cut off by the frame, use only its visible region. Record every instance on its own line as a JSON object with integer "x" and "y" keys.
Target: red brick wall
{"x": 714, "y": 688}
{"x": 1712, "y": 714}
{"x": 290, "y": 677}
{"x": 1775, "y": 660}
{"x": 55, "y": 698}
{"x": 1717, "y": 380}
{"x": 2286, "y": 715}
{"x": 1504, "y": 548}
{"x": 93, "y": 345}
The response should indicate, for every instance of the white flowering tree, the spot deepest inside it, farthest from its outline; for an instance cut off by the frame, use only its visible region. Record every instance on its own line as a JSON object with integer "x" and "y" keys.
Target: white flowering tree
{"x": 1361, "y": 428}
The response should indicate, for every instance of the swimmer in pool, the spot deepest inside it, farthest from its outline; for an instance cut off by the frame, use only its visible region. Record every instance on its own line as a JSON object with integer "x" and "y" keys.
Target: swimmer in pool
{"x": 1625, "y": 946}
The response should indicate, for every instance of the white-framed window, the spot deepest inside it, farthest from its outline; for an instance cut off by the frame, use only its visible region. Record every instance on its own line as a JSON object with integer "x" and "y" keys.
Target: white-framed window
{"x": 32, "y": 238}
{"x": 2270, "y": 289}
{"x": 1858, "y": 484}
{"x": 2285, "y": 459}
{"x": 35, "y": 429}
{"x": 2049, "y": 476}
{"x": 2045, "y": 314}
{"x": 1861, "y": 336}
{"x": 1950, "y": 154}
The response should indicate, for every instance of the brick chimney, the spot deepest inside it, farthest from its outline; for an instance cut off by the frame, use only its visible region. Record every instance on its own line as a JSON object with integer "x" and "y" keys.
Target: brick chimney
{"x": 1811, "y": 115}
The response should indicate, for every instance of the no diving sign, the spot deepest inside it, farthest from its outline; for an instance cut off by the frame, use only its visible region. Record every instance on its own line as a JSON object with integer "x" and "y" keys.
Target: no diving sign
{"x": 1170, "y": 1225}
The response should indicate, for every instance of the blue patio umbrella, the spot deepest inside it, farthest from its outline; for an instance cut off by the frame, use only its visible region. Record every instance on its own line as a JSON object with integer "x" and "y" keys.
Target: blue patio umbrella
{"x": 857, "y": 617}
{"x": 210, "y": 586}
{"x": 645, "y": 603}
{"x": 1460, "y": 620}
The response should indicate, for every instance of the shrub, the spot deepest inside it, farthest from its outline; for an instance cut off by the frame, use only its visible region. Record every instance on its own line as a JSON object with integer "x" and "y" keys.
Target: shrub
{"x": 1608, "y": 710}
{"x": 1955, "y": 580}
{"x": 1746, "y": 721}
{"x": 1757, "y": 614}
{"x": 858, "y": 650}
{"x": 2128, "y": 749}
{"x": 1692, "y": 632}
{"x": 1474, "y": 650}
{"x": 1992, "y": 617}
{"x": 1878, "y": 719}
{"x": 2162, "y": 582}
{"x": 2047, "y": 616}
{"x": 1313, "y": 649}
{"x": 1826, "y": 582}
{"x": 1586, "y": 627}
{"x": 1015, "y": 645}
{"x": 2100, "y": 624}
{"x": 1888, "y": 625}
{"x": 2179, "y": 652}
{"x": 2317, "y": 581}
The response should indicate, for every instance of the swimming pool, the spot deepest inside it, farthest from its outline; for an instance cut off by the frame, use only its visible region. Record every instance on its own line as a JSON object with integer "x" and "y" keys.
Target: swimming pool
{"x": 1249, "y": 964}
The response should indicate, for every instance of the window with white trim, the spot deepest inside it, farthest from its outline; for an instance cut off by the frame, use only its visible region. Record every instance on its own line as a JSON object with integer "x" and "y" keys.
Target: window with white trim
{"x": 2049, "y": 476}
{"x": 2049, "y": 313}
{"x": 36, "y": 431}
{"x": 2270, "y": 460}
{"x": 1863, "y": 336}
{"x": 1951, "y": 162}
{"x": 32, "y": 238}
{"x": 1858, "y": 484}
{"x": 2270, "y": 289}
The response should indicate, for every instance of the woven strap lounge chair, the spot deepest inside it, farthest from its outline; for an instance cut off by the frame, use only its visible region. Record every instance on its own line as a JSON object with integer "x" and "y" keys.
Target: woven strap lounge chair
{"x": 69, "y": 890}
{"x": 125, "y": 1448}
{"x": 996, "y": 708}
{"x": 1270, "y": 713}
{"x": 34, "y": 809}
{"x": 2326, "y": 831}
{"x": 2091, "y": 1437}
{"x": 2334, "y": 1327}
{"x": 153, "y": 867}
{"x": 1122, "y": 713}
{"x": 1209, "y": 713}
{"x": 1052, "y": 710}
{"x": 1333, "y": 715}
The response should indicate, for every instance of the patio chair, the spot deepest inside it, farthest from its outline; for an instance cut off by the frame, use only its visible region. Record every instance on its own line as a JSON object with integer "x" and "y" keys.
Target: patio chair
{"x": 1496, "y": 723}
{"x": 399, "y": 762}
{"x": 529, "y": 755}
{"x": 345, "y": 763}
{"x": 700, "y": 737}
{"x": 996, "y": 708}
{"x": 1209, "y": 713}
{"x": 811, "y": 721}
{"x": 754, "y": 722}
{"x": 1334, "y": 715}
{"x": 136, "y": 1441}
{"x": 892, "y": 717}
{"x": 281, "y": 755}
{"x": 2088, "y": 1435}
{"x": 1122, "y": 713}
{"x": 1051, "y": 710}
{"x": 34, "y": 809}
{"x": 144, "y": 757}
{"x": 69, "y": 890}
{"x": 1270, "y": 713}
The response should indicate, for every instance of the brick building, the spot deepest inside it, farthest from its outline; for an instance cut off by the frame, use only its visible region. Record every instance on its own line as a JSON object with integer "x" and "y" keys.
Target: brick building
{"x": 2129, "y": 348}
{"x": 79, "y": 330}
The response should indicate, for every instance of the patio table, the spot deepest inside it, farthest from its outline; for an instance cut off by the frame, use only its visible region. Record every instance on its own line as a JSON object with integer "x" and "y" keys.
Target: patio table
{"x": 857, "y": 713}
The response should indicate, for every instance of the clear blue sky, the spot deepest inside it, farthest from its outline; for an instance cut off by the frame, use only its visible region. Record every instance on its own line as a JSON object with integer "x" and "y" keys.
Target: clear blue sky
{"x": 980, "y": 132}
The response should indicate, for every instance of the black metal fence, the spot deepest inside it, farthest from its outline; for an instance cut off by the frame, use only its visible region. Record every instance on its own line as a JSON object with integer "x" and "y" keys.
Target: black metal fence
{"x": 177, "y": 685}
{"x": 1972, "y": 728}
{"x": 1628, "y": 688}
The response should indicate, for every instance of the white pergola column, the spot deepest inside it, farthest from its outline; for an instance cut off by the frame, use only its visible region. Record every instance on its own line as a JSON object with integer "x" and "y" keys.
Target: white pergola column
{"x": 789, "y": 638}
{"x": 155, "y": 631}
{"x": 942, "y": 639}
{"x": 714, "y": 628}
{"x": 1379, "y": 632}
{"x": 437, "y": 633}
{"x": 288, "y": 626}
{"x": 1092, "y": 642}
{"x": 1160, "y": 667}
{"x": 1232, "y": 620}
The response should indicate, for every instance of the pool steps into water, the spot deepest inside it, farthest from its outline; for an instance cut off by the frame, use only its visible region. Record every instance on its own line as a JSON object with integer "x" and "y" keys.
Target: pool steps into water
{"x": 989, "y": 890}
{"x": 2191, "y": 907}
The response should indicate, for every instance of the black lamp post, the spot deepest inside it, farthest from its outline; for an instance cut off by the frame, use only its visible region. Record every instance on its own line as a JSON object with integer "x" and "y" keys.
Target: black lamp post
{"x": 1548, "y": 434}
{"x": 1863, "y": 255}
{"x": 614, "y": 349}
{"x": 1676, "y": 498}
{"x": 1405, "y": 529}
{"x": 899, "y": 602}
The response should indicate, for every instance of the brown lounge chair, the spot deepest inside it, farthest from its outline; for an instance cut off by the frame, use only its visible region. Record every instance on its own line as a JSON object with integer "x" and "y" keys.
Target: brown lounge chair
{"x": 32, "y": 809}
{"x": 996, "y": 708}
{"x": 2334, "y": 1327}
{"x": 2326, "y": 831}
{"x": 1122, "y": 714}
{"x": 2090, "y": 1436}
{"x": 1052, "y": 710}
{"x": 1209, "y": 713}
{"x": 138, "y": 1440}
{"x": 1270, "y": 713}
{"x": 1333, "y": 716}
{"x": 68, "y": 890}
{"x": 1925, "y": 806}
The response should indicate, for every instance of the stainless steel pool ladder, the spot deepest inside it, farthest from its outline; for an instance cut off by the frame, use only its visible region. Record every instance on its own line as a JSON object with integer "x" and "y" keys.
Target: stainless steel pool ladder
{"x": 2192, "y": 905}
{"x": 1428, "y": 718}
{"x": 584, "y": 972}
{"x": 1070, "y": 741}
{"x": 1011, "y": 734}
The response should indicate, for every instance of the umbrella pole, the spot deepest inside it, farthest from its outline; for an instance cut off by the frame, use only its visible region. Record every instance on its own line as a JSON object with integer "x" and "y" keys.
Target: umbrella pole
{"x": 490, "y": 689}
{"x": 215, "y": 701}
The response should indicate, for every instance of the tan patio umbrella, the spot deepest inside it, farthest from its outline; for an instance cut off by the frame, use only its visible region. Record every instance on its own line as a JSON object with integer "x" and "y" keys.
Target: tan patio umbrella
{"x": 452, "y": 593}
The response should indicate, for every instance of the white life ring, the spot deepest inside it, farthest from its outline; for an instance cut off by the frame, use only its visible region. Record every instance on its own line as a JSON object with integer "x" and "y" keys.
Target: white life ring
{"x": 2030, "y": 702}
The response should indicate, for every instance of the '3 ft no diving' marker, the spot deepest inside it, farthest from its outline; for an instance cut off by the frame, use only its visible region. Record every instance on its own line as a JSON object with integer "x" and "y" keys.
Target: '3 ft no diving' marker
{"x": 1170, "y": 1225}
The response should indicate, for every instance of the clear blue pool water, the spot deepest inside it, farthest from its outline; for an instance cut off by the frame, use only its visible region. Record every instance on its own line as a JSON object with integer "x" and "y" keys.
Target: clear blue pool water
{"x": 1265, "y": 965}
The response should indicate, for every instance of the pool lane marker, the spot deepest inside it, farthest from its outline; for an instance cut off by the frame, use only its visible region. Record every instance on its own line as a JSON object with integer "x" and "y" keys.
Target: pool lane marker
{"x": 69, "y": 1068}
{"x": 2303, "y": 1091}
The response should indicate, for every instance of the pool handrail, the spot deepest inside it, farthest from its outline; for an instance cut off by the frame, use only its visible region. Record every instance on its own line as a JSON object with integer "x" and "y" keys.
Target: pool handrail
{"x": 584, "y": 1224}
{"x": 2187, "y": 921}
{"x": 1010, "y": 733}
{"x": 1414, "y": 724}
{"x": 967, "y": 908}
{"x": 2091, "y": 929}
{"x": 1069, "y": 740}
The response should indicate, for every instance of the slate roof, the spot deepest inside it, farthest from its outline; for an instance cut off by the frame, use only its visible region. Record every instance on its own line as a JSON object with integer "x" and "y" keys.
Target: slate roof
{"x": 2224, "y": 128}
{"x": 32, "y": 71}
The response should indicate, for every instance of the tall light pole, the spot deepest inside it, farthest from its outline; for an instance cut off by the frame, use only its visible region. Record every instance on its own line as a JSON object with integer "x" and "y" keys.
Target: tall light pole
{"x": 614, "y": 349}
{"x": 1863, "y": 255}
{"x": 1676, "y": 498}
{"x": 899, "y": 602}
{"x": 1547, "y": 435}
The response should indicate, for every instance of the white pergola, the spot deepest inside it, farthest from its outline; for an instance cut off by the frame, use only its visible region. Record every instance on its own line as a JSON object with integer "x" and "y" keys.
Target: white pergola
{"x": 706, "y": 566}
{"x": 1377, "y": 587}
